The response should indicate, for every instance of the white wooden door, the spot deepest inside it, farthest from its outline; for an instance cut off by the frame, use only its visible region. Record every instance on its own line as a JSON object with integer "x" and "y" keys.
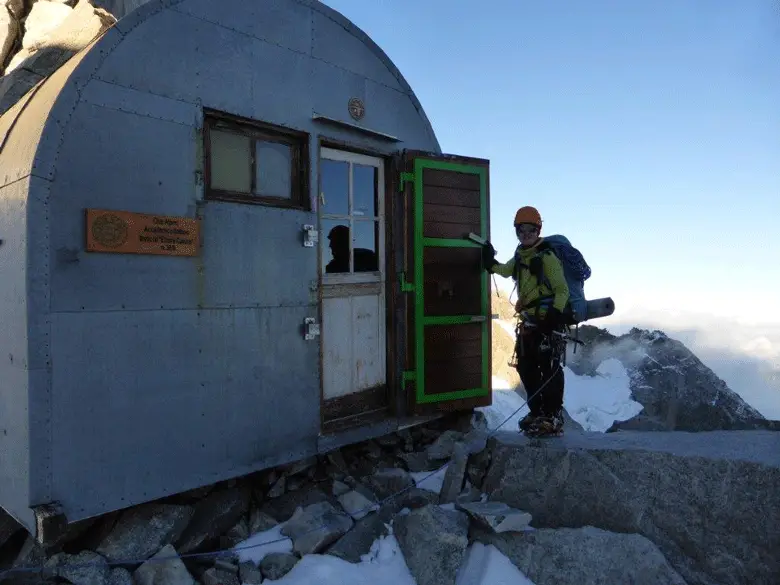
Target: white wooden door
{"x": 352, "y": 266}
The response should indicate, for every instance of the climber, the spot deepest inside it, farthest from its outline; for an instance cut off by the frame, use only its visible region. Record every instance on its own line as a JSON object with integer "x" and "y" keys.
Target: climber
{"x": 542, "y": 294}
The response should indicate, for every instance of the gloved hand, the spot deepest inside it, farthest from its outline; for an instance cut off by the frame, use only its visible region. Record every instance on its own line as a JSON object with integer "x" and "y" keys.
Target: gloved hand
{"x": 489, "y": 256}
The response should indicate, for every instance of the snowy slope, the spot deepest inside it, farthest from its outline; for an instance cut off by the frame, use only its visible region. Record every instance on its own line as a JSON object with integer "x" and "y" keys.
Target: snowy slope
{"x": 594, "y": 402}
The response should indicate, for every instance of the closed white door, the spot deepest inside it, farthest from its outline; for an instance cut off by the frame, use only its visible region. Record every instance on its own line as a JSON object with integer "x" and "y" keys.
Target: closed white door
{"x": 352, "y": 234}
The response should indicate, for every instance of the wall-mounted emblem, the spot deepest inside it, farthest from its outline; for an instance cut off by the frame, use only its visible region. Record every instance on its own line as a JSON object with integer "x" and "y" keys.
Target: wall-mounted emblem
{"x": 125, "y": 232}
{"x": 109, "y": 231}
{"x": 356, "y": 109}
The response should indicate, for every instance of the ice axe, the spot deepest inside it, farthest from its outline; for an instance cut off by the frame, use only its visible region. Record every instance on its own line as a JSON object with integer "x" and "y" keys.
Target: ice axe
{"x": 475, "y": 238}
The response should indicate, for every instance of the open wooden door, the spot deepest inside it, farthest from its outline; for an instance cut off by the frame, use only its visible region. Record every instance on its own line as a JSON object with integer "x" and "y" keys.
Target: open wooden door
{"x": 448, "y": 333}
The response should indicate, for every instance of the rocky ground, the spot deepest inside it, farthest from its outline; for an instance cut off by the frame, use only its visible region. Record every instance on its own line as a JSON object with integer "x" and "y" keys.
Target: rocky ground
{"x": 562, "y": 513}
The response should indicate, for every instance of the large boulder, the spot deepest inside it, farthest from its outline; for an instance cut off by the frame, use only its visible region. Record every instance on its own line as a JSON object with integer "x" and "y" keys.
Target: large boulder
{"x": 142, "y": 531}
{"x": 433, "y": 542}
{"x": 585, "y": 556}
{"x": 709, "y": 501}
{"x": 213, "y": 516}
{"x": 53, "y": 33}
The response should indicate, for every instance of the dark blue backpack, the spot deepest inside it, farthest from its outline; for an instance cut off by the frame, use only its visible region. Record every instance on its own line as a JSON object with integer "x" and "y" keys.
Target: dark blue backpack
{"x": 575, "y": 270}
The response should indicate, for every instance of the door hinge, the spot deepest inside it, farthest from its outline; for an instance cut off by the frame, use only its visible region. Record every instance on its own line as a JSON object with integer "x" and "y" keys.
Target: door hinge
{"x": 310, "y": 236}
{"x": 405, "y": 286}
{"x": 405, "y": 178}
{"x": 311, "y": 328}
{"x": 408, "y": 376}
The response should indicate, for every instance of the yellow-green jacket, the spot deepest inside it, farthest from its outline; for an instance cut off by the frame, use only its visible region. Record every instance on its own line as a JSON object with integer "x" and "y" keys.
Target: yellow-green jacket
{"x": 529, "y": 291}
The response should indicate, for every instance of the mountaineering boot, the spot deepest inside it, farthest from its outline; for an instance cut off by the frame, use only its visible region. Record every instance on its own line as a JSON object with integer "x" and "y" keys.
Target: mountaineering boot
{"x": 526, "y": 422}
{"x": 545, "y": 426}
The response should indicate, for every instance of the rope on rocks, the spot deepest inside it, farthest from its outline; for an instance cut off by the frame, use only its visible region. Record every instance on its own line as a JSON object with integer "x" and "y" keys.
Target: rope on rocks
{"x": 232, "y": 551}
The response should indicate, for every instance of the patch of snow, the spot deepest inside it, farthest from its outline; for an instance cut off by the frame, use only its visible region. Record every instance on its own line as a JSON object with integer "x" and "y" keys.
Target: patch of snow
{"x": 500, "y": 384}
{"x": 505, "y": 403}
{"x": 257, "y": 546}
{"x": 486, "y": 565}
{"x": 384, "y": 564}
{"x": 430, "y": 480}
{"x": 597, "y": 402}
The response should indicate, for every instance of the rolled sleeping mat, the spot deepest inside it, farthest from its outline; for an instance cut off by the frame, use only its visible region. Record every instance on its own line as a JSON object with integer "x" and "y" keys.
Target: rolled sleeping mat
{"x": 599, "y": 308}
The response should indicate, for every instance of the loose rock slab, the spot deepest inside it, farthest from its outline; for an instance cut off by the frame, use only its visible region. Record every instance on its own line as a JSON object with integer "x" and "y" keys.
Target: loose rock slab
{"x": 496, "y": 516}
{"x": 142, "y": 531}
{"x": 433, "y": 542}
{"x": 315, "y": 527}
{"x": 585, "y": 556}
{"x": 170, "y": 571}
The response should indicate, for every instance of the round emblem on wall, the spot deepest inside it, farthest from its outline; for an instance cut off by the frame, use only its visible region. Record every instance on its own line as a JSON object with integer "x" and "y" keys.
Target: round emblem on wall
{"x": 109, "y": 230}
{"x": 356, "y": 109}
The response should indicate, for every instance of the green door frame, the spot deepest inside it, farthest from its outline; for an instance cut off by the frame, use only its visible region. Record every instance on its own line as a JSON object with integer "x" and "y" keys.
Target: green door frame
{"x": 420, "y": 320}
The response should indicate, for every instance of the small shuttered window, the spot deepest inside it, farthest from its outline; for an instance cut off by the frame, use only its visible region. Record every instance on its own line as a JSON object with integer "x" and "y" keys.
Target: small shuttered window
{"x": 252, "y": 162}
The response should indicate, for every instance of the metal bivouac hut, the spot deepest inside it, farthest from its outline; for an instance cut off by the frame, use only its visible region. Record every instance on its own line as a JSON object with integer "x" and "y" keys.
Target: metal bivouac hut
{"x": 229, "y": 241}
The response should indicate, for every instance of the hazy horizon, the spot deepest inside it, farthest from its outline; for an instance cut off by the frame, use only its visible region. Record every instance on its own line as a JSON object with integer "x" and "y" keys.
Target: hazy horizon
{"x": 746, "y": 356}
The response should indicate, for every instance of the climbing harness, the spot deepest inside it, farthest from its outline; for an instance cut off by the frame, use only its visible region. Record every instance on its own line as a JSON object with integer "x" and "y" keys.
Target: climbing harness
{"x": 555, "y": 342}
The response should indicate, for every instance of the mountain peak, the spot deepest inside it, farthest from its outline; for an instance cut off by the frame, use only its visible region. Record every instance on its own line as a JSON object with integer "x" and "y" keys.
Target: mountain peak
{"x": 677, "y": 390}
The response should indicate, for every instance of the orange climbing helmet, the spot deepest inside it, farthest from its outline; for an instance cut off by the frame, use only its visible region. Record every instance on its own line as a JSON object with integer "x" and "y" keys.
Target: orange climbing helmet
{"x": 528, "y": 214}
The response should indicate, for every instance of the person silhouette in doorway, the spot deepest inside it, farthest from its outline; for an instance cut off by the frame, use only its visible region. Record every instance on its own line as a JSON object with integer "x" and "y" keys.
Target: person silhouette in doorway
{"x": 338, "y": 241}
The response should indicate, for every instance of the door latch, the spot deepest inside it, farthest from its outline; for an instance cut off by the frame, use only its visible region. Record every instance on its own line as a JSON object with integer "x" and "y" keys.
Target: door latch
{"x": 310, "y": 236}
{"x": 311, "y": 328}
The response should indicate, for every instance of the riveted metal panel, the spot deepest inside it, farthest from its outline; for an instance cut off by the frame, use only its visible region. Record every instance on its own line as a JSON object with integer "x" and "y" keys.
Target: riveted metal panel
{"x": 280, "y": 22}
{"x": 14, "y": 374}
{"x": 100, "y": 167}
{"x": 393, "y": 111}
{"x": 154, "y": 402}
{"x": 333, "y": 43}
{"x": 194, "y": 61}
{"x": 25, "y": 122}
{"x": 282, "y": 88}
{"x": 116, "y": 97}
{"x": 254, "y": 256}
{"x": 141, "y": 13}
{"x": 344, "y": 85}
{"x": 39, "y": 338}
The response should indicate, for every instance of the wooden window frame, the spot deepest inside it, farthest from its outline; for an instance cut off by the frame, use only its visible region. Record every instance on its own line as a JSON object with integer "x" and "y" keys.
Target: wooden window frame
{"x": 378, "y": 162}
{"x": 255, "y": 130}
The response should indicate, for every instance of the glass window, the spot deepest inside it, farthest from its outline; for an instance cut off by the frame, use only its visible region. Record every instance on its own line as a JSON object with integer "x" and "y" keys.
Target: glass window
{"x": 334, "y": 187}
{"x": 366, "y": 245}
{"x": 348, "y": 208}
{"x": 253, "y": 162}
{"x": 229, "y": 155}
{"x": 364, "y": 190}
{"x": 273, "y": 168}
{"x": 336, "y": 246}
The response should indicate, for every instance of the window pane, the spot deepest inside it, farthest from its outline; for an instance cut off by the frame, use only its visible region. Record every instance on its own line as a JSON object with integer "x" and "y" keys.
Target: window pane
{"x": 364, "y": 195}
{"x": 366, "y": 246}
{"x": 334, "y": 187}
{"x": 273, "y": 166}
{"x": 230, "y": 161}
{"x": 335, "y": 246}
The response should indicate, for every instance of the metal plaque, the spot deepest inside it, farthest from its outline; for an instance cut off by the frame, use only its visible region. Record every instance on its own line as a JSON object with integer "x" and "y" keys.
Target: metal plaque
{"x": 125, "y": 232}
{"x": 356, "y": 109}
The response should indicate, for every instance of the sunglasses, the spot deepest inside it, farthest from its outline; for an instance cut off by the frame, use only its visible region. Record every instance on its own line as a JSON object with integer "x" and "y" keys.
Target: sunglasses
{"x": 526, "y": 230}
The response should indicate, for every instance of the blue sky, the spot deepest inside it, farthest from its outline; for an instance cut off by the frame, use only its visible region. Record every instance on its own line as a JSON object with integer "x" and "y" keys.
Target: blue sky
{"x": 648, "y": 133}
